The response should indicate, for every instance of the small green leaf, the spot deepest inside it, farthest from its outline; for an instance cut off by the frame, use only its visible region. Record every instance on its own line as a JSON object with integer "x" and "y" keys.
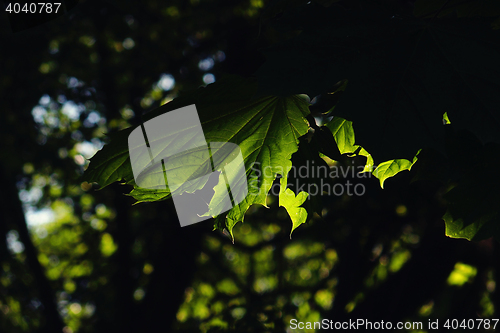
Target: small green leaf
{"x": 111, "y": 163}
{"x": 292, "y": 204}
{"x": 147, "y": 195}
{"x": 391, "y": 168}
{"x": 343, "y": 133}
{"x": 483, "y": 228}
{"x": 446, "y": 120}
{"x": 369, "y": 160}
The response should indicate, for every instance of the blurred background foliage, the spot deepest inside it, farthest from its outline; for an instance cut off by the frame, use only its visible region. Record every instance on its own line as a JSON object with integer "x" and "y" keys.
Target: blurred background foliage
{"x": 79, "y": 260}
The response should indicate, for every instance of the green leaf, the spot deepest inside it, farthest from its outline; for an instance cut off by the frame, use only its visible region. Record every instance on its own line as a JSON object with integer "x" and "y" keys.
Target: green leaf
{"x": 112, "y": 163}
{"x": 146, "y": 195}
{"x": 292, "y": 204}
{"x": 343, "y": 133}
{"x": 484, "y": 227}
{"x": 369, "y": 160}
{"x": 468, "y": 173}
{"x": 326, "y": 144}
{"x": 266, "y": 129}
{"x": 309, "y": 174}
{"x": 391, "y": 168}
{"x": 472, "y": 201}
{"x": 446, "y": 120}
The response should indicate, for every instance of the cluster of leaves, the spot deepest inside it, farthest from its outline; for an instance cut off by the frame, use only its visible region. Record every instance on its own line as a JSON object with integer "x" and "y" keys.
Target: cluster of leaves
{"x": 408, "y": 71}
